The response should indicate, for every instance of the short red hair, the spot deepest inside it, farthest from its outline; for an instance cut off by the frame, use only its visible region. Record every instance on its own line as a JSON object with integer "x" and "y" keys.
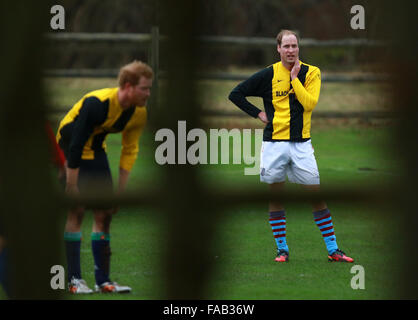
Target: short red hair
{"x": 132, "y": 73}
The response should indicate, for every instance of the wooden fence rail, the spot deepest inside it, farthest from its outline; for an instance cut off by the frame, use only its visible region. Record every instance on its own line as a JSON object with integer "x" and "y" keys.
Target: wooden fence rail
{"x": 111, "y": 73}
{"x": 227, "y": 40}
{"x": 152, "y": 40}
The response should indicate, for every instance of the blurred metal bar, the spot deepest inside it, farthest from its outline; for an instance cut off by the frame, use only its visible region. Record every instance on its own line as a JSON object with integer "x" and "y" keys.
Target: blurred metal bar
{"x": 402, "y": 30}
{"x": 372, "y": 194}
{"x": 188, "y": 213}
{"x": 30, "y": 210}
{"x": 317, "y": 115}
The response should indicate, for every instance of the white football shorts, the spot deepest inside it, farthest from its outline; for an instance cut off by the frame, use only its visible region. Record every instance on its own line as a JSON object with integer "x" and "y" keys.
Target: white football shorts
{"x": 296, "y": 160}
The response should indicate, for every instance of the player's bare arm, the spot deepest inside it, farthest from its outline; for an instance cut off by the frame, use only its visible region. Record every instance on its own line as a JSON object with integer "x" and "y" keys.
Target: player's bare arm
{"x": 72, "y": 181}
{"x": 123, "y": 179}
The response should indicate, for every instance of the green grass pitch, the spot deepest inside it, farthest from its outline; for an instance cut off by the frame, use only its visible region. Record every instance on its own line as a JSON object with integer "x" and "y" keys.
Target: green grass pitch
{"x": 244, "y": 251}
{"x": 347, "y": 156}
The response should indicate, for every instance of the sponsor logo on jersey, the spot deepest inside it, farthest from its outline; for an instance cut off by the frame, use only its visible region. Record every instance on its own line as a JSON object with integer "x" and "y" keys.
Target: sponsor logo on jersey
{"x": 281, "y": 93}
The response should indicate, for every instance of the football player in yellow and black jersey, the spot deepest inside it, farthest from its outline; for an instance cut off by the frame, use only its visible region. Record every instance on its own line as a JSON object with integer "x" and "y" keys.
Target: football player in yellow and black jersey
{"x": 81, "y": 135}
{"x": 290, "y": 91}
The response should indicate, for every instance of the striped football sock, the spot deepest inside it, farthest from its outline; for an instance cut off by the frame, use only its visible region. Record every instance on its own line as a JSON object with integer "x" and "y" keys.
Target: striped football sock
{"x": 324, "y": 222}
{"x": 278, "y": 225}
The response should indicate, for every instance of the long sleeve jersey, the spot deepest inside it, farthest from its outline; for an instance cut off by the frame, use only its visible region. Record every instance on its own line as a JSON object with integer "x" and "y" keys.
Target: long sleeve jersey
{"x": 83, "y": 130}
{"x": 288, "y": 103}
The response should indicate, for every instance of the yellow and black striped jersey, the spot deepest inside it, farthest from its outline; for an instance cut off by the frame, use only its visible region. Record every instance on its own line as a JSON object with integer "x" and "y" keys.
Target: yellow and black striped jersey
{"x": 83, "y": 130}
{"x": 288, "y": 103}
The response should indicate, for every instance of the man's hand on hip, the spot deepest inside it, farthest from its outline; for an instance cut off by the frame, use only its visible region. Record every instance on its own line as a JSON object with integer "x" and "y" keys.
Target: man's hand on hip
{"x": 263, "y": 117}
